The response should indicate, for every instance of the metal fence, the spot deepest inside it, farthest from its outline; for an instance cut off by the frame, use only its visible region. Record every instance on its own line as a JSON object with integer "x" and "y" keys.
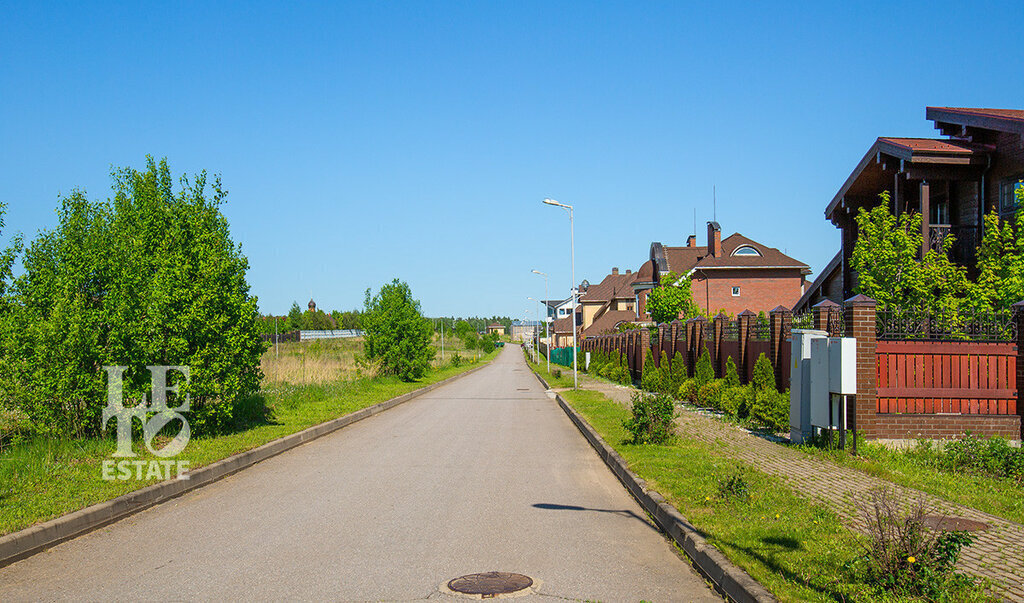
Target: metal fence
{"x": 329, "y": 334}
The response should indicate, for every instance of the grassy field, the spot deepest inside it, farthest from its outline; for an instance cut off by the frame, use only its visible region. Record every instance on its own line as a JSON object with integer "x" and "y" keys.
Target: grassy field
{"x": 798, "y": 550}
{"x": 46, "y": 478}
{"x": 326, "y": 360}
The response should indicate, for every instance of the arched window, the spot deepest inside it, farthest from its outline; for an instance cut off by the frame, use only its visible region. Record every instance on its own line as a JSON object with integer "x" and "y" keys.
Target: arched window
{"x": 746, "y": 250}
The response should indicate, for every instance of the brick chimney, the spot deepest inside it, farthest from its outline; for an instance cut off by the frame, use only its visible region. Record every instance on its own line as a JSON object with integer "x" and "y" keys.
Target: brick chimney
{"x": 691, "y": 241}
{"x": 714, "y": 239}
{"x": 615, "y": 271}
{"x": 628, "y": 271}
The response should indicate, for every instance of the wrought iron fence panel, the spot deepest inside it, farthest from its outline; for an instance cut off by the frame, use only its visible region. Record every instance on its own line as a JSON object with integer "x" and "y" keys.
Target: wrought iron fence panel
{"x": 731, "y": 331}
{"x": 904, "y": 324}
{"x": 761, "y": 329}
{"x": 836, "y": 324}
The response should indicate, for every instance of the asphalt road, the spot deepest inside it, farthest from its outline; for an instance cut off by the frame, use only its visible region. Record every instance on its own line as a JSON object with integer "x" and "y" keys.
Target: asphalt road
{"x": 485, "y": 474}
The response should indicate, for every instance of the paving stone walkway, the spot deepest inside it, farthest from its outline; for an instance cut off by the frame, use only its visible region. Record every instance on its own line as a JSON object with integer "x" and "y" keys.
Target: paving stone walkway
{"x": 997, "y": 553}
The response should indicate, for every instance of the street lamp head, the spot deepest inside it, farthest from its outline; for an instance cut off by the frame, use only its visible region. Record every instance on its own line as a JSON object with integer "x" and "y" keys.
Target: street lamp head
{"x": 538, "y": 272}
{"x": 551, "y": 202}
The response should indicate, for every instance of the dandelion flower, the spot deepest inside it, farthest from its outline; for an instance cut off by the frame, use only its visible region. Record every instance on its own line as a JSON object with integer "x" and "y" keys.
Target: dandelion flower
{"x": 776, "y": 516}
{"x": 911, "y": 559}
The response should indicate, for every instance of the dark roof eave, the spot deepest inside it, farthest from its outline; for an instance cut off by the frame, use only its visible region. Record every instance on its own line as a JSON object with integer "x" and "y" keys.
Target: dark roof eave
{"x": 974, "y": 118}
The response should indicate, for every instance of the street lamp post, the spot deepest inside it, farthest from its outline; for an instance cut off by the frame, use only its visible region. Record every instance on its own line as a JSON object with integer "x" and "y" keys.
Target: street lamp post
{"x": 572, "y": 290}
{"x": 536, "y": 332}
{"x": 547, "y": 337}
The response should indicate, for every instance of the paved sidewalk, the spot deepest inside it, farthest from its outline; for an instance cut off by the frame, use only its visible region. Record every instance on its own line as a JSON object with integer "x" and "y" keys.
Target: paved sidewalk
{"x": 997, "y": 553}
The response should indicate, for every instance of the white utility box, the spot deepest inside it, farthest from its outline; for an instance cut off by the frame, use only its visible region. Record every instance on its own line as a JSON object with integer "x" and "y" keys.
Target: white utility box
{"x": 842, "y": 365}
{"x": 819, "y": 398}
{"x": 800, "y": 382}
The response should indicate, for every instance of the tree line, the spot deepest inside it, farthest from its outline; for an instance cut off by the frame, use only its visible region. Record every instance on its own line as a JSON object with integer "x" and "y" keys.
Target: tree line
{"x": 310, "y": 320}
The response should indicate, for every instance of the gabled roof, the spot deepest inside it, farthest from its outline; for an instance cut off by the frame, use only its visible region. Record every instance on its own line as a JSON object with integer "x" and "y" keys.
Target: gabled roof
{"x": 1001, "y": 120}
{"x": 564, "y": 325}
{"x": 681, "y": 260}
{"x": 614, "y": 286}
{"x": 607, "y": 322}
{"x": 890, "y": 155}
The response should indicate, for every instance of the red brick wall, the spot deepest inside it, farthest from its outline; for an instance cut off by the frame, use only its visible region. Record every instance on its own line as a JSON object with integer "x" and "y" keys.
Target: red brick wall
{"x": 759, "y": 289}
{"x": 907, "y": 426}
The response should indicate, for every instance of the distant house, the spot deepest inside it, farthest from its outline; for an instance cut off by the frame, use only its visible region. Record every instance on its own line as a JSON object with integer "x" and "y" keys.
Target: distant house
{"x": 525, "y": 330}
{"x": 952, "y": 182}
{"x": 559, "y": 308}
{"x": 561, "y": 331}
{"x": 608, "y": 303}
{"x": 732, "y": 274}
{"x": 496, "y": 328}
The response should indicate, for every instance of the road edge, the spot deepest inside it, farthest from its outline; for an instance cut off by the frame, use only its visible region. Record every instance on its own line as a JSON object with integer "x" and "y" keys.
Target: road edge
{"x": 35, "y": 539}
{"x": 727, "y": 577}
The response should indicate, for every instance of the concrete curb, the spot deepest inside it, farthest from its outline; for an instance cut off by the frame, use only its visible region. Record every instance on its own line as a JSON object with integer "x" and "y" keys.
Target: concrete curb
{"x": 32, "y": 540}
{"x": 728, "y": 578}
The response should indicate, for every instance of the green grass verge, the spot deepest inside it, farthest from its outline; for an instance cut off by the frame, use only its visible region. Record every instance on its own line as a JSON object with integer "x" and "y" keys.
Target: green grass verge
{"x": 797, "y": 549}
{"x": 999, "y": 496}
{"x": 45, "y": 478}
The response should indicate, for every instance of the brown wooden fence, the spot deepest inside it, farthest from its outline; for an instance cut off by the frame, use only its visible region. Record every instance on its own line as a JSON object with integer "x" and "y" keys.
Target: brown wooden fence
{"x": 947, "y": 377}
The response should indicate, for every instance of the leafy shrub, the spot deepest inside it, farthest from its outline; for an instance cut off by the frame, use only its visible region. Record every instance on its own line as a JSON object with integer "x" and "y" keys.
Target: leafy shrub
{"x": 738, "y": 400}
{"x": 556, "y": 373}
{"x": 677, "y": 373}
{"x": 732, "y": 376}
{"x": 651, "y": 422}
{"x": 710, "y": 394}
{"x": 15, "y": 425}
{"x": 665, "y": 377}
{"x": 771, "y": 408}
{"x": 904, "y": 556}
{"x": 704, "y": 371}
{"x": 764, "y": 374}
{"x": 622, "y": 375}
{"x": 395, "y": 331}
{"x": 650, "y": 377}
{"x": 993, "y": 456}
{"x": 734, "y": 486}
{"x": 688, "y": 391}
{"x": 456, "y": 360}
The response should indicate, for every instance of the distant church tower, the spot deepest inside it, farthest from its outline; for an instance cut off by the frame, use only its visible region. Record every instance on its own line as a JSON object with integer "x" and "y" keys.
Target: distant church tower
{"x": 312, "y": 306}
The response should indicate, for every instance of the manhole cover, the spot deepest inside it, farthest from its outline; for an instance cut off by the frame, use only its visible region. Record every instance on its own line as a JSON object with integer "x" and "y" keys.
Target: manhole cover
{"x": 951, "y": 524}
{"x": 490, "y": 584}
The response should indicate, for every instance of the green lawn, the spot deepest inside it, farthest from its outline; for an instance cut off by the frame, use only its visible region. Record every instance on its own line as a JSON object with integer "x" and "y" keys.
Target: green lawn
{"x": 1002, "y": 497}
{"x": 798, "y": 550}
{"x": 46, "y": 478}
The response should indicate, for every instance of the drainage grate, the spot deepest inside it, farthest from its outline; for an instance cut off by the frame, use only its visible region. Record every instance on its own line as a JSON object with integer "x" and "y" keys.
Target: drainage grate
{"x": 490, "y": 584}
{"x": 951, "y": 524}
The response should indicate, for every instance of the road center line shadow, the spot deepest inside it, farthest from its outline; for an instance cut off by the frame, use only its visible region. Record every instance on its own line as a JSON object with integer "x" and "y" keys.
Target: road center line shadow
{"x": 620, "y": 512}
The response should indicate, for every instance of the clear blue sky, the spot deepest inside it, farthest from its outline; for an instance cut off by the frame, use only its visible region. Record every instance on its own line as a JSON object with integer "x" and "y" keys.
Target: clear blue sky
{"x": 362, "y": 142}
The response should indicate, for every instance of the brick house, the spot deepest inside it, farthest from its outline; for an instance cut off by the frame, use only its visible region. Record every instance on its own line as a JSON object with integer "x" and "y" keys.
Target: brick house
{"x": 952, "y": 182}
{"x": 732, "y": 274}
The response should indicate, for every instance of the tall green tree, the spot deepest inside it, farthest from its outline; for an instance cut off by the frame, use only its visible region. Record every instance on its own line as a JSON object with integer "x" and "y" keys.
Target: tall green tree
{"x": 150, "y": 277}
{"x": 886, "y": 260}
{"x": 396, "y": 333}
{"x": 295, "y": 318}
{"x": 1000, "y": 281}
{"x": 672, "y": 299}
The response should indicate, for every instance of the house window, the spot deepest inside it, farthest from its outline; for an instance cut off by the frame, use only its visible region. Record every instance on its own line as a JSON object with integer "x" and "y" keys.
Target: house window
{"x": 735, "y": 291}
{"x": 1008, "y": 195}
{"x": 745, "y": 250}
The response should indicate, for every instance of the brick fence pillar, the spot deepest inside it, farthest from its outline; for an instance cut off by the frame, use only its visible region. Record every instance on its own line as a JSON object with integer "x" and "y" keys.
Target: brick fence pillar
{"x": 780, "y": 320}
{"x": 717, "y": 335}
{"x": 699, "y": 331}
{"x": 645, "y": 344}
{"x": 823, "y": 312}
{"x": 860, "y": 314}
{"x": 744, "y": 321}
{"x": 662, "y": 344}
{"x": 1018, "y": 319}
{"x": 673, "y": 333}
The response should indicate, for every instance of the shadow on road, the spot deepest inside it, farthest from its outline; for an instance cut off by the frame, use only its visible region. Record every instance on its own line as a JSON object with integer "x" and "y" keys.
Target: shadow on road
{"x": 622, "y": 512}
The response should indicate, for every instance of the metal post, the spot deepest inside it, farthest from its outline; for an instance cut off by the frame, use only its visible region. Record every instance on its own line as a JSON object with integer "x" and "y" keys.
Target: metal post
{"x": 572, "y": 290}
